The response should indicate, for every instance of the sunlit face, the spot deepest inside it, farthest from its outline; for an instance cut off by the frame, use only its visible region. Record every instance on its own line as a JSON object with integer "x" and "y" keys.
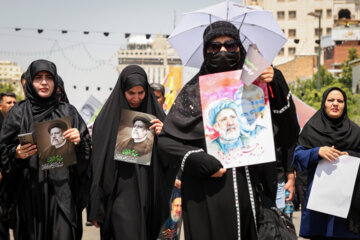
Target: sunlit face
{"x": 334, "y": 104}
{"x": 160, "y": 97}
{"x": 7, "y": 103}
{"x": 56, "y": 136}
{"x": 176, "y": 209}
{"x": 227, "y": 125}
{"x": 139, "y": 131}
{"x": 135, "y": 96}
{"x": 44, "y": 84}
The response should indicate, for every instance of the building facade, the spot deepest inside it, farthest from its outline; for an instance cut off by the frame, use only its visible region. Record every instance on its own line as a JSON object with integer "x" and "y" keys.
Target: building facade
{"x": 10, "y": 73}
{"x": 300, "y": 22}
{"x": 153, "y": 55}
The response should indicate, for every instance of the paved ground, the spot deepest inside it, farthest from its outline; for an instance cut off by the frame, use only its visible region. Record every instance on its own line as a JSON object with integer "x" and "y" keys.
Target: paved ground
{"x": 92, "y": 233}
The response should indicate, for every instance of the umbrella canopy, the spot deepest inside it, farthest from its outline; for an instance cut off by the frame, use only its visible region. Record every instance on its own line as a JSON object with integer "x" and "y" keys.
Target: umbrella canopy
{"x": 256, "y": 27}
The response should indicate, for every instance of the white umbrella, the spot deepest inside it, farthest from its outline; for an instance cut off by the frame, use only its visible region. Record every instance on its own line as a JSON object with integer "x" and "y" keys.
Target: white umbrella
{"x": 256, "y": 27}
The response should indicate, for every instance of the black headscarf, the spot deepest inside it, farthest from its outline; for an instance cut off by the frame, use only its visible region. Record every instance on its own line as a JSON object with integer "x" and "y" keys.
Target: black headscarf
{"x": 40, "y": 106}
{"x": 321, "y": 130}
{"x": 105, "y": 133}
{"x": 64, "y": 97}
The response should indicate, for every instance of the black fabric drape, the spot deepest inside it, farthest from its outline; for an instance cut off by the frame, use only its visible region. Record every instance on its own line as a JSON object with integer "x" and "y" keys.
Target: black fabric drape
{"x": 111, "y": 177}
{"x": 38, "y": 193}
{"x": 208, "y": 203}
{"x": 64, "y": 97}
{"x": 286, "y": 131}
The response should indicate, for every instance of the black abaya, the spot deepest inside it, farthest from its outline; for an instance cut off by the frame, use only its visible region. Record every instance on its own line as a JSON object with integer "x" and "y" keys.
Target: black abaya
{"x": 127, "y": 200}
{"x": 50, "y": 202}
{"x": 209, "y": 205}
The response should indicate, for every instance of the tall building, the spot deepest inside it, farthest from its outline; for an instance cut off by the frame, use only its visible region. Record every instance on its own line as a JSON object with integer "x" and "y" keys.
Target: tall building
{"x": 300, "y": 22}
{"x": 154, "y": 55}
{"x": 10, "y": 73}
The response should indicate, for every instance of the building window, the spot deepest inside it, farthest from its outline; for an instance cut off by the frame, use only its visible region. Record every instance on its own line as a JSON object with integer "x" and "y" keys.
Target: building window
{"x": 344, "y": 13}
{"x": 317, "y": 32}
{"x": 329, "y": 53}
{"x": 318, "y": 12}
{"x": 328, "y": 31}
{"x": 281, "y": 53}
{"x": 292, "y": 51}
{"x": 328, "y": 13}
{"x": 292, "y": 14}
{"x": 292, "y": 33}
{"x": 280, "y": 15}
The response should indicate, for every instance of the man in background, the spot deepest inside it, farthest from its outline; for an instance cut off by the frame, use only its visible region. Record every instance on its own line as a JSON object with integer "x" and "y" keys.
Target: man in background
{"x": 159, "y": 92}
{"x": 7, "y": 101}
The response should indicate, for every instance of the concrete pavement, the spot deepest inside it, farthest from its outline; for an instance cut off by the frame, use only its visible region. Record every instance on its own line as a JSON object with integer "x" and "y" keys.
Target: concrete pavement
{"x": 92, "y": 233}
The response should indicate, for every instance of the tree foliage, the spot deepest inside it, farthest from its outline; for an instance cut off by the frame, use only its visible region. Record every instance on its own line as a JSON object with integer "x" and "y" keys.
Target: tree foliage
{"x": 307, "y": 91}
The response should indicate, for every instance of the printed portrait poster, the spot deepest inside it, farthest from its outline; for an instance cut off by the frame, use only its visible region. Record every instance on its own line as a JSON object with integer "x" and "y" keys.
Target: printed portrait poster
{"x": 172, "y": 226}
{"x": 237, "y": 120}
{"x": 53, "y": 150}
{"x": 134, "y": 140}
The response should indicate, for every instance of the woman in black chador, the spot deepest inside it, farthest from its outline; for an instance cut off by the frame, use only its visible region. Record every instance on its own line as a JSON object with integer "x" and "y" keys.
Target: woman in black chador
{"x": 50, "y": 202}
{"x": 127, "y": 200}
{"x": 217, "y": 203}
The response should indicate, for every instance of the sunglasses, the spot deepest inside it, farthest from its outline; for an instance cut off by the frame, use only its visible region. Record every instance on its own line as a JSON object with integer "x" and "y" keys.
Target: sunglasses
{"x": 230, "y": 45}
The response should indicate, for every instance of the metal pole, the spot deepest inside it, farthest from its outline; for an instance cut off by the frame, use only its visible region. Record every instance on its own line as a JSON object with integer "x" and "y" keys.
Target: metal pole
{"x": 319, "y": 53}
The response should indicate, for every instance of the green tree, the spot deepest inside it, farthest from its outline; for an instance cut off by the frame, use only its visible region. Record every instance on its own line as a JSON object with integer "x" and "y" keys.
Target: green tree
{"x": 346, "y": 74}
{"x": 6, "y": 88}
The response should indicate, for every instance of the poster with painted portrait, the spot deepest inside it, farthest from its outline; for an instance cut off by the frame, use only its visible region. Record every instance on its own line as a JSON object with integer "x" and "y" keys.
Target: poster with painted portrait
{"x": 134, "y": 140}
{"x": 237, "y": 120}
{"x": 54, "y": 151}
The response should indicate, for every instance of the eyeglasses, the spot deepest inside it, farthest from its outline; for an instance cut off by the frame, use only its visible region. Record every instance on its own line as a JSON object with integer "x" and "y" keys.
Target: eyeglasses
{"x": 230, "y": 45}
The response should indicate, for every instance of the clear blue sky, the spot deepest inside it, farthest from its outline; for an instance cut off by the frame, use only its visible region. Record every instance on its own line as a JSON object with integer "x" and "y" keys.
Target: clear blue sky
{"x": 83, "y": 60}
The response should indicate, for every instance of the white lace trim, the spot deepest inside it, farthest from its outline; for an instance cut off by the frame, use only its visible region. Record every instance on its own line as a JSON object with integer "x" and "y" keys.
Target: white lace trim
{"x": 187, "y": 155}
{"x": 251, "y": 193}
{"x": 285, "y": 107}
{"x": 237, "y": 206}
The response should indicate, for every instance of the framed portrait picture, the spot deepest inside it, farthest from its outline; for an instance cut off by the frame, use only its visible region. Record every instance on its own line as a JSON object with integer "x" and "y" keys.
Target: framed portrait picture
{"x": 134, "y": 140}
{"x": 53, "y": 150}
{"x": 237, "y": 120}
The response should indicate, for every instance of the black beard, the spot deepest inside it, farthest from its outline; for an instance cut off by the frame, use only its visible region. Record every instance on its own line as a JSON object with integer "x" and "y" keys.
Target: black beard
{"x": 222, "y": 61}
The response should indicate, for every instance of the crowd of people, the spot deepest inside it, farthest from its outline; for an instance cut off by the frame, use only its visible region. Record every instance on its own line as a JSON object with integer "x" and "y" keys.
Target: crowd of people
{"x": 133, "y": 201}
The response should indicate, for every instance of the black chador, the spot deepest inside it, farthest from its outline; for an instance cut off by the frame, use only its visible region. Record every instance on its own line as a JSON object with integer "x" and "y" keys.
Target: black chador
{"x": 127, "y": 200}
{"x": 50, "y": 202}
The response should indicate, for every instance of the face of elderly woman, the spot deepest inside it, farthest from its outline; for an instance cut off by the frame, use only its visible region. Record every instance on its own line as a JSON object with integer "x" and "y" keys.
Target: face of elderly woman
{"x": 44, "y": 84}
{"x": 334, "y": 104}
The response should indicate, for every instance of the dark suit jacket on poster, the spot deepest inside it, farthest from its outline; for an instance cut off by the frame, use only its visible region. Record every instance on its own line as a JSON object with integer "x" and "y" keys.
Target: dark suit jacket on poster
{"x": 64, "y": 156}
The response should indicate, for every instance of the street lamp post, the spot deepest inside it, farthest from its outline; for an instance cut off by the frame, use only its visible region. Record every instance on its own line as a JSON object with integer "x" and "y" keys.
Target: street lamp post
{"x": 318, "y": 15}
